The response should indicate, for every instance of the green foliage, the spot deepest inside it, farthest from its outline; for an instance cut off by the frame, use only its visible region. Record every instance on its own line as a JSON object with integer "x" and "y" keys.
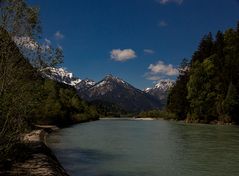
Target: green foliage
{"x": 157, "y": 114}
{"x": 211, "y": 88}
{"x": 108, "y": 109}
{"x": 18, "y": 92}
{"x": 177, "y": 102}
{"x": 26, "y": 98}
{"x": 60, "y": 105}
{"x": 19, "y": 19}
{"x": 22, "y": 22}
{"x": 231, "y": 104}
{"x": 204, "y": 49}
{"x": 201, "y": 92}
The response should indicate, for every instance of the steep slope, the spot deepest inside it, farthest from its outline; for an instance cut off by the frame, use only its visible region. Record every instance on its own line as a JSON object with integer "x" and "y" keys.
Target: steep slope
{"x": 116, "y": 90}
{"x": 27, "y": 99}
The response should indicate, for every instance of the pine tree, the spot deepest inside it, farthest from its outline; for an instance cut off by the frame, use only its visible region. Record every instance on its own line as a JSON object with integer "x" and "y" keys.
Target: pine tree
{"x": 231, "y": 104}
{"x": 205, "y": 49}
{"x": 213, "y": 83}
{"x": 177, "y": 99}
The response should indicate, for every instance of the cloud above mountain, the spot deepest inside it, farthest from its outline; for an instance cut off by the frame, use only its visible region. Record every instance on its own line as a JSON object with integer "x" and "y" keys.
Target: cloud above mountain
{"x": 122, "y": 55}
{"x": 160, "y": 70}
{"x": 161, "y": 67}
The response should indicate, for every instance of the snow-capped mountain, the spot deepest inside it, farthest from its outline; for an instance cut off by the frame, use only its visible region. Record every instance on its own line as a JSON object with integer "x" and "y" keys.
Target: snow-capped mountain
{"x": 163, "y": 85}
{"x": 115, "y": 90}
{"x": 108, "y": 84}
{"x": 111, "y": 89}
{"x": 160, "y": 90}
{"x": 85, "y": 84}
{"x": 60, "y": 75}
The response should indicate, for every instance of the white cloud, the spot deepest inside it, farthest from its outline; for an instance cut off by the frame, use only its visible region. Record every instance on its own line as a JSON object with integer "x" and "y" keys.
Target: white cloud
{"x": 122, "y": 55}
{"x": 162, "y": 24}
{"x": 162, "y": 68}
{"x": 149, "y": 51}
{"x": 59, "y": 36}
{"x": 170, "y": 1}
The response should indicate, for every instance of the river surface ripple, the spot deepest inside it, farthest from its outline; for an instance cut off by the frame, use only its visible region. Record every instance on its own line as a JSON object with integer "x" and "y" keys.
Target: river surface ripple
{"x": 115, "y": 147}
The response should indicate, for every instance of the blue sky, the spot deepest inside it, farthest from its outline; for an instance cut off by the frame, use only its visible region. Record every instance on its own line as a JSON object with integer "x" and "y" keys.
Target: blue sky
{"x": 141, "y": 41}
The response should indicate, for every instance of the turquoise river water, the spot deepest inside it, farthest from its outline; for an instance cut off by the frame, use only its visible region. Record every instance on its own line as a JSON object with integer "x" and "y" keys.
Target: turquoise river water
{"x": 121, "y": 147}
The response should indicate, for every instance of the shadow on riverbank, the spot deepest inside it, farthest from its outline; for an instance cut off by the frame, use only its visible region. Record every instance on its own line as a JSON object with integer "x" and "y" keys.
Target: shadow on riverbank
{"x": 35, "y": 158}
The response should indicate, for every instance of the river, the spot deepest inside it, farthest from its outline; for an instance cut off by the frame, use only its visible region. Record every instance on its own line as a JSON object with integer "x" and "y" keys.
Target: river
{"x": 116, "y": 147}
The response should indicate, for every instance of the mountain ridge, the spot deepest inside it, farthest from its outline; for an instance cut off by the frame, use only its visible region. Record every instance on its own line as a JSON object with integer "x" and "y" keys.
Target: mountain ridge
{"x": 110, "y": 89}
{"x": 116, "y": 90}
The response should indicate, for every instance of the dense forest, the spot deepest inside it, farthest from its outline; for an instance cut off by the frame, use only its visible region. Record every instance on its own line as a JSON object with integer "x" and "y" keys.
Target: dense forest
{"x": 26, "y": 98}
{"x": 207, "y": 88}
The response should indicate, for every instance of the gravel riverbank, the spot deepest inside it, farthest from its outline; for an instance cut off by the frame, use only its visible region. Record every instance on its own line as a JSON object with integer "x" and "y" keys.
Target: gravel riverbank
{"x": 39, "y": 159}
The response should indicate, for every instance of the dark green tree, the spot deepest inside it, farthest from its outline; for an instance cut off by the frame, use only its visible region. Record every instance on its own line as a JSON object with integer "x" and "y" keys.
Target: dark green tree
{"x": 18, "y": 93}
{"x": 201, "y": 91}
{"x": 177, "y": 99}
{"x": 231, "y": 105}
{"x": 213, "y": 81}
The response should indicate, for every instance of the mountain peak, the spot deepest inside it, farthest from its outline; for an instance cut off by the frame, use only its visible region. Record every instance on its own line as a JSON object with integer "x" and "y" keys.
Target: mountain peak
{"x": 115, "y": 90}
{"x": 110, "y": 78}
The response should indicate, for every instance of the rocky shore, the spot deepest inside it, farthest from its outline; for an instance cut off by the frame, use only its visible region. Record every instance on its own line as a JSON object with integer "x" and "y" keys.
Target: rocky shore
{"x": 39, "y": 159}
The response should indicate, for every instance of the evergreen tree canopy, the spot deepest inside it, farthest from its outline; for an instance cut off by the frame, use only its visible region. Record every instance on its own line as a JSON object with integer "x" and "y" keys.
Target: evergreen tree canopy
{"x": 208, "y": 91}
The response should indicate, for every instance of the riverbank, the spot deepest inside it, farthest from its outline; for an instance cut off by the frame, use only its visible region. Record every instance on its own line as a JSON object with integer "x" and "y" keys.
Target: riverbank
{"x": 38, "y": 158}
{"x": 126, "y": 118}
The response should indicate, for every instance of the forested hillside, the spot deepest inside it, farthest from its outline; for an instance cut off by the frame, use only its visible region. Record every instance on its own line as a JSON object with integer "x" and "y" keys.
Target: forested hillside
{"x": 207, "y": 88}
{"x": 26, "y": 98}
